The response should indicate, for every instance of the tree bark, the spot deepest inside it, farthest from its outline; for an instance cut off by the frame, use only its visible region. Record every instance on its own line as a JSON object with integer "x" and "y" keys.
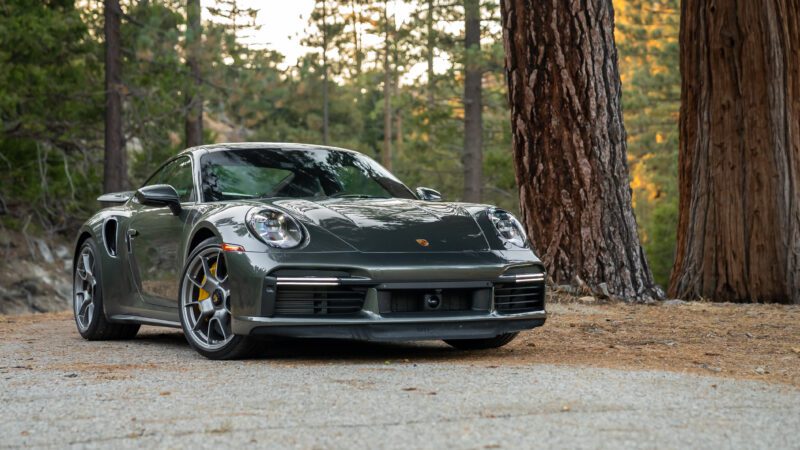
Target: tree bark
{"x": 473, "y": 103}
{"x": 115, "y": 167}
{"x": 386, "y": 154}
{"x": 194, "y": 100}
{"x": 739, "y": 219}
{"x": 569, "y": 145}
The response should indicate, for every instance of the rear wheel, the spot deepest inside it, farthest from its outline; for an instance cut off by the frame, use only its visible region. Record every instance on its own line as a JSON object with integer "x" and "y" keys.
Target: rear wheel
{"x": 482, "y": 344}
{"x": 87, "y": 299}
{"x": 205, "y": 309}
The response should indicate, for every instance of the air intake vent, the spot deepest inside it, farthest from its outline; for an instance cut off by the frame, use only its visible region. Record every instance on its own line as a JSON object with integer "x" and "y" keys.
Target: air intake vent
{"x": 408, "y": 301}
{"x": 318, "y": 300}
{"x": 519, "y": 297}
{"x": 110, "y": 236}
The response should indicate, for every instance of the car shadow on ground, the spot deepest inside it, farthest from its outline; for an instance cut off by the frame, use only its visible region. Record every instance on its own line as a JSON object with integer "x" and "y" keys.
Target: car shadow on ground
{"x": 325, "y": 350}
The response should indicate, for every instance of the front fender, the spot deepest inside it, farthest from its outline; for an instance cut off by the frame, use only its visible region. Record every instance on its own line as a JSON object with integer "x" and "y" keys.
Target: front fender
{"x": 228, "y": 224}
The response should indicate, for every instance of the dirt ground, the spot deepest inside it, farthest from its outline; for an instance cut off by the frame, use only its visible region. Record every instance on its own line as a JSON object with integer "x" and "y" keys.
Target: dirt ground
{"x": 760, "y": 342}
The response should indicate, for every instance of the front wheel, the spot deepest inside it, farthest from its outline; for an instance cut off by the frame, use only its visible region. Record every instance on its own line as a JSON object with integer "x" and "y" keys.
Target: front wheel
{"x": 205, "y": 310}
{"x": 482, "y": 344}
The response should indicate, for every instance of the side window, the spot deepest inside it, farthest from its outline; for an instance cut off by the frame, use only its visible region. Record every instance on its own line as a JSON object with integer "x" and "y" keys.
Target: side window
{"x": 177, "y": 174}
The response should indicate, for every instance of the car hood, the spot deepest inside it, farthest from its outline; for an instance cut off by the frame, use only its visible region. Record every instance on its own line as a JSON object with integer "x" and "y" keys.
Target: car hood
{"x": 392, "y": 225}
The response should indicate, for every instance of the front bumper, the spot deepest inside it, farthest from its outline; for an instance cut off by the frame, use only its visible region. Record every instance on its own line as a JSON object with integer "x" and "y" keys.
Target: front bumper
{"x": 259, "y": 278}
{"x": 386, "y": 329}
{"x": 377, "y": 320}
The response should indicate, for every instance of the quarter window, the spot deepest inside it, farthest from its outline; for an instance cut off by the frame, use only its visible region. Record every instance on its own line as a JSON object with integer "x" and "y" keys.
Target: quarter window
{"x": 177, "y": 174}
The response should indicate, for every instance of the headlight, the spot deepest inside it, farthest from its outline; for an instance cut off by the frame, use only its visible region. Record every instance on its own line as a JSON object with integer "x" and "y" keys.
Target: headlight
{"x": 275, "y": 228}
{"x": 508, "y": 228}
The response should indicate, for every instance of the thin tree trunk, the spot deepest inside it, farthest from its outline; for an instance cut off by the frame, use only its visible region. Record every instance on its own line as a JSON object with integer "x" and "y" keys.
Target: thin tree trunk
{"x": 398, "y": 126}
{"x": 739, "y": 219}
{"x": 473, "y": 104}
{"x": 386, "y": 155}
{"x": 325, "y": 100}
{"x": 115, "y": 167}
{"x": 429, "y": 53}
{"x": 569, "y": 145}
{"x": 357, "y": 57}
{"x": 194, "y": 100}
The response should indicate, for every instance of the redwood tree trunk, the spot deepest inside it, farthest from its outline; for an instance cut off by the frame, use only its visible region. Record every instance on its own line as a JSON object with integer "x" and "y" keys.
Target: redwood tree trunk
{"x": 569, "y": 144}
{"x": 115, "y": 167}
{"x": 739, "y": 220}
{"x": 194, "y": 101}
{"x": 473, "y": 103}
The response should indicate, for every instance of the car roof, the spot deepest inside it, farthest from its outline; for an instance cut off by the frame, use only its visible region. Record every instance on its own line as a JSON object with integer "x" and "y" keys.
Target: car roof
{"x": 261, "y": 146}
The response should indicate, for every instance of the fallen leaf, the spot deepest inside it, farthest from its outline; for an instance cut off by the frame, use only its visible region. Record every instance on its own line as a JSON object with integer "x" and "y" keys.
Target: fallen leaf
{"x": 165, "y": 393}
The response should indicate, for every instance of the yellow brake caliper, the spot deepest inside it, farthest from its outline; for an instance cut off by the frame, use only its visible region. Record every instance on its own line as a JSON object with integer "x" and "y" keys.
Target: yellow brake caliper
{"x": 202, "y": 294}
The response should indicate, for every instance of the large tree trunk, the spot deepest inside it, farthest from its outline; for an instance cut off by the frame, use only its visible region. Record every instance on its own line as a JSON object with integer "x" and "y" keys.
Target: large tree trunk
{"x": 739, "y": 220}
{"x": 194, "y": 101}
{"x": 473, "y": 103}
{"x": 115, "y": 167}
{"x": 569, "y": 144}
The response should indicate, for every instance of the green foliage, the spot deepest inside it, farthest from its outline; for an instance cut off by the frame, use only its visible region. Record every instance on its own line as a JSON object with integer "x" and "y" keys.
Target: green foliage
{"x": 52, "y": 98}
{"x": 49, "y": 110}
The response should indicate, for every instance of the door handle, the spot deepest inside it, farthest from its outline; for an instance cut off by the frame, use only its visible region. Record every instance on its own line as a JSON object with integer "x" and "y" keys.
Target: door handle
{"x": 130, "y": 234}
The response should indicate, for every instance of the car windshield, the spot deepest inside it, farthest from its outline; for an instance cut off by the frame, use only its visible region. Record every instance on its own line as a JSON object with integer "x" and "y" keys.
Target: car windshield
{"x": 317, "y": 173}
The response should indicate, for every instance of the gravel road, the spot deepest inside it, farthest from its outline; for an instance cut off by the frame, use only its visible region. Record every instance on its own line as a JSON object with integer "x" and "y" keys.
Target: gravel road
{"x": 57, "y": 390}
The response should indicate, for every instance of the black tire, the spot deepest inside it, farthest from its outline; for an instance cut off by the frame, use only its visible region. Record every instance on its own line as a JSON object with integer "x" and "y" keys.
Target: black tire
{"x": 482, "y": 344}
{"x": 99, "y": 328}
{"x": 239, "y": 347}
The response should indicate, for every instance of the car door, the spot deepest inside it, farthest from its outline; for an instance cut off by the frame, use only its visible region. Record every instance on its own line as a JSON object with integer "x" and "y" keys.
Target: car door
{"x": 155, "y": 236}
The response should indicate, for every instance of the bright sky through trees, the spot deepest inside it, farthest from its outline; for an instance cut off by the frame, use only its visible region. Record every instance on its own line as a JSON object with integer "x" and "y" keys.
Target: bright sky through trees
{"x": 284, "y": 23}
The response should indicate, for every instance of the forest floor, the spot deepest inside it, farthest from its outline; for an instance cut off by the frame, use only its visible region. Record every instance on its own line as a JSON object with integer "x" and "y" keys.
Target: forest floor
{"x": 760, "y": 342}
{"x": 695, "y": 371}
{"x": 745, "y": 341}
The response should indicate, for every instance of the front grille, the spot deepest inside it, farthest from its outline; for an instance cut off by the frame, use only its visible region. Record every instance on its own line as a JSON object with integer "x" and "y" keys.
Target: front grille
{"x": 411, "y": 301}
{"x": 318, "y": 300}
{"x": 519, "y": 297}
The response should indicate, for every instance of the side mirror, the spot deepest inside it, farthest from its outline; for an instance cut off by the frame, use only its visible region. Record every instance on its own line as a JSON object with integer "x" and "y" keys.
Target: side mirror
{"x": 428, "y": 194}
{"x": 160, "y": 195}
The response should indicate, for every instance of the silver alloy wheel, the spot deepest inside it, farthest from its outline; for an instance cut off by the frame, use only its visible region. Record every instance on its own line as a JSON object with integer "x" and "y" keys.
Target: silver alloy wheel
{"x": 84, "y": 287}
{"x": 205, "y": 300}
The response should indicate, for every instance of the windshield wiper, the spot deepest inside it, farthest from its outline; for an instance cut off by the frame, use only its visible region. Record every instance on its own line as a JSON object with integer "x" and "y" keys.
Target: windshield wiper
{"x": 343, "y": 195}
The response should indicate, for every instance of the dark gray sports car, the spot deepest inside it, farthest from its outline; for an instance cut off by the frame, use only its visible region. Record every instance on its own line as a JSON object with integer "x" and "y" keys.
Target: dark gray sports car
{"x": 233, "y": 241}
